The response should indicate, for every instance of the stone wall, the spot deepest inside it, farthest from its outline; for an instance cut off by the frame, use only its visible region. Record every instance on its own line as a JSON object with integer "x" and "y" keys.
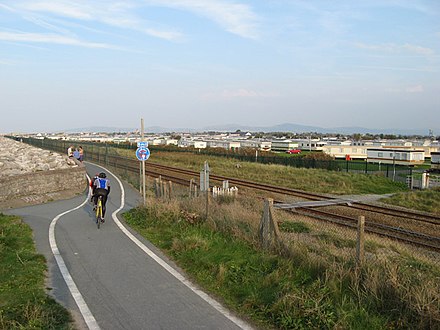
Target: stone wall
{"x": 42, "y": 186}
{"x": 30, "y": 175}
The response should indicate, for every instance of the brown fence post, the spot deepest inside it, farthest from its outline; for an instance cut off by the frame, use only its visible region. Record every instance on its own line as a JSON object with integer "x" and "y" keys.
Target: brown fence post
{"x": 170, "y": 190}
{"x": 207, "y": 192}
{"x": 191, "y": 184}
{"x": 360, "y": 247}
{"x": 268, "y": 231}
{"x": 162, "y": 187}
{"x": 164, "y": 190}
{"x": 157, "y": 188}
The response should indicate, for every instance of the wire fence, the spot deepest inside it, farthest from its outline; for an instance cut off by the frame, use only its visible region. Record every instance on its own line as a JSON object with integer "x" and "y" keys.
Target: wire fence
{"x": 294, "y": 231}
{"x": 394, "y": 172}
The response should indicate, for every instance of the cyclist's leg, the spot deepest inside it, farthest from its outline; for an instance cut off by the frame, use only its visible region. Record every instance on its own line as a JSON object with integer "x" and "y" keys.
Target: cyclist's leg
{"x": 104, "y": 201}
{"x": 99, "y": 217}
{"x": 95, "y": 200}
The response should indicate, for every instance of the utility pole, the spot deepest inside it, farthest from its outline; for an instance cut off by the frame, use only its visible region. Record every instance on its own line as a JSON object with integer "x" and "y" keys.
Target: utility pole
{"x": 143, "y": 162}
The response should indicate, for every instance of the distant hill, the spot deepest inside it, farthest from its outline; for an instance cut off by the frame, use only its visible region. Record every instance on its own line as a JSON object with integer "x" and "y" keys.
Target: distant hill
{"x": 286, "y": 127}
{"x": 296, "y": 128}
{"x": 99, "y": 129}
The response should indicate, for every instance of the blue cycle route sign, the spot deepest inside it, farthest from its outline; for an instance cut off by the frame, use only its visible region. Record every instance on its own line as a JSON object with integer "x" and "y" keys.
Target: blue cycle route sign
{"x": 142, "y": 144}
{"x": 142, "y": 153}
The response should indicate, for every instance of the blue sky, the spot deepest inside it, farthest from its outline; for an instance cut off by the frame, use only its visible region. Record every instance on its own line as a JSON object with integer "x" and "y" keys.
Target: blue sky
{"x": 195, "y": 63}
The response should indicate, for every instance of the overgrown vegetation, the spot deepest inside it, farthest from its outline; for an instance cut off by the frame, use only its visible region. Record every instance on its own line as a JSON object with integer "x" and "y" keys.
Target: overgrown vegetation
{"x": 316, "y": 285}
{"x": 316, "y": 180}
{"x": 423, "y": 200}
{"x": 23, "y": 301}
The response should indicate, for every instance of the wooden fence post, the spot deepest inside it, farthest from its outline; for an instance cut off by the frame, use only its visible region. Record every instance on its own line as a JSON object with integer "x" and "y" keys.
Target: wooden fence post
{"x": 268, "y": 232}
{"x": 164, "y": 190}
{"x": 157, "y": 188}
{"x": 191, "y": 183}
{"x": 170, "y": 190}
{"x": 360, "y": 246}
{"x": 207, "y": 202}
{"x": 161, "y": 186}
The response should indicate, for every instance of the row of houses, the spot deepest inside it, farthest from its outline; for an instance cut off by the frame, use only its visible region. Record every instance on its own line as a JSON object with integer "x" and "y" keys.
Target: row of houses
{"x": 399, "y": 153}
{"x": 381, "y": 151}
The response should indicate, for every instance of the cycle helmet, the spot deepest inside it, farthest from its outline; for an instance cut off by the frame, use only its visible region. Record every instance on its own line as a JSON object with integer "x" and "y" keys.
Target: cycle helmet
{"x": 102, "y": 175}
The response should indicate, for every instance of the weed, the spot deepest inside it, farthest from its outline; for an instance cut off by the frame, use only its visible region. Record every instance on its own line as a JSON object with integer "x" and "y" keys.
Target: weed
{"x": 294, "y": 227}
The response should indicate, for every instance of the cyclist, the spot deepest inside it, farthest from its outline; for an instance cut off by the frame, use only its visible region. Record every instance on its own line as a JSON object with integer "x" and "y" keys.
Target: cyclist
{"x": 92, "y": 182}
{"x": 101, "y": 187}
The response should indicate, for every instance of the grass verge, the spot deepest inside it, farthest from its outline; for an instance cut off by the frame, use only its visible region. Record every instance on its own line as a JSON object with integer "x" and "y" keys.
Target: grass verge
{"x": 313, "y": 287}
{"x": 24, "y": 303}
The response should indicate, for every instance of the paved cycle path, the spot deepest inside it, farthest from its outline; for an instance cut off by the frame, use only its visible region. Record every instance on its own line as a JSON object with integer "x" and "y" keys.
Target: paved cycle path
{"x": 120, "y": 285}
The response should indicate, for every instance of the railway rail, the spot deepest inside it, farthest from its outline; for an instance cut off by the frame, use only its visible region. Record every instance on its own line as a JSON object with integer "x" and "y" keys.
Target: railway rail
{"x": 407, "y": 214}
{"x": 401, "y": 234}
{"x": 421, "y": 239}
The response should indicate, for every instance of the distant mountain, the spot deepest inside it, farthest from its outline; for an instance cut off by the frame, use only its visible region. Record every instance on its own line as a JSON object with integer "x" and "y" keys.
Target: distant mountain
{"x": 276, "y": 128}
{"x": 285, "y": 127}
{"x": 99, "y": 129}
{"x": 296, "y": 128}
{"x": 150, "y": 129}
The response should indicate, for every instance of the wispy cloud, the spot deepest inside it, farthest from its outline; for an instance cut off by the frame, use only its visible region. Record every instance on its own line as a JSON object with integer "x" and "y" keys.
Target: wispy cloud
{"x": 236, "y": 18}
{"x": 50, "y": 38}
{"x": 46, "y": 25}
{"x": 6, "y": 62}
{"x": 242, "y": 92}
{"x": 408, "y": 89}
{"x": 67, "y": 9}
{"x": 393, "y": 48}
{"x": 117, "y": 14}
{"x": 395, "y": 68}
{"x": 239, "y": 93}
{"x": 414, "y": 89}
{"x": 232, "y": 16}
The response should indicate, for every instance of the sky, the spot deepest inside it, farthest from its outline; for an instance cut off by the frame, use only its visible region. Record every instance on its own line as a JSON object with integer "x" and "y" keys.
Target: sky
{"x": 195, "y": 63}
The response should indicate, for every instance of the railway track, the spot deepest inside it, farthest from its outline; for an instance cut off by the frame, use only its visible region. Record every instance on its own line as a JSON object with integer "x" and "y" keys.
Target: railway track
{"x": 375, "y": 214}
{"x": 401, "y": 234}
{"x": 407, "y": 214}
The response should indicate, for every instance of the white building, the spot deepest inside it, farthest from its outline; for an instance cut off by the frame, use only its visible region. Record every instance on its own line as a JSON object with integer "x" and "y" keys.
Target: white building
{"x": 435, "y": 160}
{"x": 283, "y": 145}
{"x": 311, "y": 144}
{"x": 173, "y": 142}
{"x": 192, "y": 143}
{"x": 342, "y": 151}
{"x": 255, "y": 144}
{"x": 223, "y": 144}
{"x": 396, "y": 156}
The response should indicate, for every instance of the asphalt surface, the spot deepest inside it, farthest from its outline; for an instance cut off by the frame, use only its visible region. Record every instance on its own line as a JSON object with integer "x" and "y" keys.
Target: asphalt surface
{"x": 122, "y": 286}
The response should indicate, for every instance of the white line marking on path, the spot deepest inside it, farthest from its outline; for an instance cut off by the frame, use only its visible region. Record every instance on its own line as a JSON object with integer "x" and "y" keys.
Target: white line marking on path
{"x": 84, "y": 309}
{"x": 168, "y": 268}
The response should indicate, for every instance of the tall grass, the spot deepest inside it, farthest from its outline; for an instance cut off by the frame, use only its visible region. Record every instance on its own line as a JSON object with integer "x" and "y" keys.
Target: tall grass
{"x": 316, "y": 285}
{"x": 316, "y": 180}
{"x": 423, "y": 200}
{"x": 24, "y": 303}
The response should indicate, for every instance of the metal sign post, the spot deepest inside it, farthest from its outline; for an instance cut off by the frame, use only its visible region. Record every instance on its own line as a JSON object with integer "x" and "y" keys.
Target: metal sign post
{"x": 142, "y": 153}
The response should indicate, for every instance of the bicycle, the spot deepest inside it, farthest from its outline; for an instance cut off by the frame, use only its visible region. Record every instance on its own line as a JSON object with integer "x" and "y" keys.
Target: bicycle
{"x": 99, "y": 217}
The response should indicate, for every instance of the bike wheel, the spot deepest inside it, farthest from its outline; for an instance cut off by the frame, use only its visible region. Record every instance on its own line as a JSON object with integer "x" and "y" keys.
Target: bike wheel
{"x": 99, "y": 213}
